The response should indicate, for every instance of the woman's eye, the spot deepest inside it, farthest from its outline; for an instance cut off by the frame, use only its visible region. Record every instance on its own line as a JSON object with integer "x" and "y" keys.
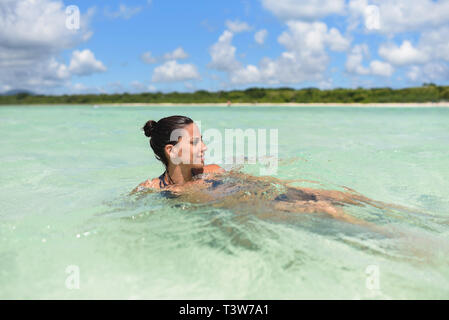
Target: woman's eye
{"x": 195, "y": 141}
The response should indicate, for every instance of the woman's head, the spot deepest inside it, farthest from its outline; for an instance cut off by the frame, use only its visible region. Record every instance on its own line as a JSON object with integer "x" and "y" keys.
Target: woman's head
{"x": 176, "y": 140}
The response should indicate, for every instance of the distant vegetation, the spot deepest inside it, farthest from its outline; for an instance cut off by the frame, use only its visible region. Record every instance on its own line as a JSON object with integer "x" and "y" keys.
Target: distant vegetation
{"x": 429, "y": 92}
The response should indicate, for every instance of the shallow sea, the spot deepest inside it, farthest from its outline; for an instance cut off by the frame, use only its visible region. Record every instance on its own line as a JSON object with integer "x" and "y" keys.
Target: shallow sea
{"x": 69, "y": 228}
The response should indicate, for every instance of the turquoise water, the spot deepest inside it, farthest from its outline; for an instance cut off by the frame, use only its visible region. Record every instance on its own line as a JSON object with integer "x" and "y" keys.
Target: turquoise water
{"x": 66, "y": 173}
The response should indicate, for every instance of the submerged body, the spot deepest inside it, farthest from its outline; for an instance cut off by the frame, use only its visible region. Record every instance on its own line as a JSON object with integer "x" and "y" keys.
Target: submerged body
{"x": 267, "y": 197}
{"x": 177, "y": 142}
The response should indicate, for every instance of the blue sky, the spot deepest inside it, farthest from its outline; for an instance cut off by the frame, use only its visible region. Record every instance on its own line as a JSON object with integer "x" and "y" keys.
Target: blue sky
{"x": 146, "y": 46}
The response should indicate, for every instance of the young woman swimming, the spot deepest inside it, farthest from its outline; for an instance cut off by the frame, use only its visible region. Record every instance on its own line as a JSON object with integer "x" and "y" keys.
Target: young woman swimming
{"x": 177, "y": 143}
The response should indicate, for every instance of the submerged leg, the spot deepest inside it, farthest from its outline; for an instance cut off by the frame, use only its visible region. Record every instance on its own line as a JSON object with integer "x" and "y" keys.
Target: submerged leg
{"x": 313, "y": 206}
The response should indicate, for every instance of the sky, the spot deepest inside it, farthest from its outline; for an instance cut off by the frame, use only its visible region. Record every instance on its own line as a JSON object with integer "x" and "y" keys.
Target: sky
{"x": 115, "y": 46}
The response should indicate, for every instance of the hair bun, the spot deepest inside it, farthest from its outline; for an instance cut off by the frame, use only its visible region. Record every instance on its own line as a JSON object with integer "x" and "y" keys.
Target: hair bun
{"x": 149, "y": 127}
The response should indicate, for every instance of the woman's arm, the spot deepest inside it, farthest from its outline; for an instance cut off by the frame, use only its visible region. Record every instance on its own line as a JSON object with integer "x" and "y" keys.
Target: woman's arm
{"x": 213, "y": 168}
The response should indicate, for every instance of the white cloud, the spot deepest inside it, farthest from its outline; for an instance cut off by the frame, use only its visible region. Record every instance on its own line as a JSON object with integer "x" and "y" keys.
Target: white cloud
{"x": 427, "y": 60}
{"x": 30, "y": 30}
{"x": 336, "y": 41}
{"x": 308, "y": 10}
{"x": 325, "y": 84}
{"x": 379, "y": 68}
{"x": 32, "y": 36}
{"x": 79, "y": 87}
{"x": 402, "y": 15}
{"x": 305, "y": 58}
{"x": 178, "y": 53}
{"x": 354, "y": 63}
{"x": 171, "y": 71}
{"x": 356, "y": 16}
{"x": 354, "y": 60}
{"x": 237, "y": 26}
{"x": 405, "y": 54}
{"x": 414, "y": 73}
{"x": 59, "y": 70}
{"x": 141, "y": 87}
{"x": 408, "y": 15}
{"x": 260, "y": 36}
{"x": 123, "y": 11}
{"x": 114, "y": 87}
{"x": 434, "y": 43}
{"x": 312, "y": 38}
{"x": 48, "y": 73}
{"x": 248, "y": 74}
{"x": 147, "y": 57}
{"x": 84, "y": 63}
{"x": 223, "y": 53}
{"x": 433, "y": 71}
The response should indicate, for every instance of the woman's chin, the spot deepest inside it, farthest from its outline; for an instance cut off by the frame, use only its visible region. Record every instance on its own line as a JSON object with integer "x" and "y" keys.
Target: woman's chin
{"x": 198, "y": 165}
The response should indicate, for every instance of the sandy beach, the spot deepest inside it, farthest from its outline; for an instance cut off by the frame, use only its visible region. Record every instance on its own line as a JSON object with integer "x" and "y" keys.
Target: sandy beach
{"x": 388, "y": 105}
{"x": 366, "y": 105}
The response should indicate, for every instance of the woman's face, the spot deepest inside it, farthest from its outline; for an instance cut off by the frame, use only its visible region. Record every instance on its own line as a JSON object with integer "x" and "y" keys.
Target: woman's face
{"x": 189, "y": 151}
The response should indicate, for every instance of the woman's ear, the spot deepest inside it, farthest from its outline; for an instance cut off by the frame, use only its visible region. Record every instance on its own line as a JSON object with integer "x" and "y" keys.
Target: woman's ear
{"x": 173, "y": 154}
{"x": 168, "y": 150}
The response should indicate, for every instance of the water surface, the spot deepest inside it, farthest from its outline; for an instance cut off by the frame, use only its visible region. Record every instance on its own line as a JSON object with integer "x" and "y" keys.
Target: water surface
{"x": 66, "y": 173}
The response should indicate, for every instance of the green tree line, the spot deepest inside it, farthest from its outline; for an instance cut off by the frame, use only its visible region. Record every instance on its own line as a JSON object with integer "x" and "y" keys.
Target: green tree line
{"x": 426, "y": 93}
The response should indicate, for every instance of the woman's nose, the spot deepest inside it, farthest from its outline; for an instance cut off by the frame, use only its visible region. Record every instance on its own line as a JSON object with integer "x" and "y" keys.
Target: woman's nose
{"x": 204, "y": 148}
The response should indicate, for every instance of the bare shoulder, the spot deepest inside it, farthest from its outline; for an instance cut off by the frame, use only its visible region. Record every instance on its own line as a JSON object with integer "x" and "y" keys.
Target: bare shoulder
{"x": 213, "y": 168}
{"x": 147, "y": 184}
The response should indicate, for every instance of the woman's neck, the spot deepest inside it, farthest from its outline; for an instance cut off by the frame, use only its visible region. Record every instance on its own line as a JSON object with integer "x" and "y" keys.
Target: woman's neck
{"x": 179, "y": 175}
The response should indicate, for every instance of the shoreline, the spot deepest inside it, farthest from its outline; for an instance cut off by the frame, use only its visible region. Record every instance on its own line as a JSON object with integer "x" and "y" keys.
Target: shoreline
{"x": 379, "y": 105}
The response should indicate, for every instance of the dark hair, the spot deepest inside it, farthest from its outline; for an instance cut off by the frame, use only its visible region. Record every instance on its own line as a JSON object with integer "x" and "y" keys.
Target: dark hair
{"x": 159, "y": 133}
